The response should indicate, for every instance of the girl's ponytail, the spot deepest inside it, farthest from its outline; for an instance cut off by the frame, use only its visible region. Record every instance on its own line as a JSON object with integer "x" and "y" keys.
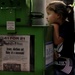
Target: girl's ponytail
{"x": 70, "y": 14}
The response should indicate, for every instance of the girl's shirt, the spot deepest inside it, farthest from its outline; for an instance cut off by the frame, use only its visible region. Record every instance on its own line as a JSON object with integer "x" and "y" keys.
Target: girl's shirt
{"x": 66, "y": 32}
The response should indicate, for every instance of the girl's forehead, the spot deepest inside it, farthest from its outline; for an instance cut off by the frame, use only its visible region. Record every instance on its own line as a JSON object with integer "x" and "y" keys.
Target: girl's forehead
{"x": 50, "y": 11}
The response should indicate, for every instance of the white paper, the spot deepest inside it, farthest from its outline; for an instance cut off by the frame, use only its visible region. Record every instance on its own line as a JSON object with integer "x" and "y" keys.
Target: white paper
{"x": 10, "y": 25}
{"x": 15, "y": 54}
{"x": 49, "y": 53}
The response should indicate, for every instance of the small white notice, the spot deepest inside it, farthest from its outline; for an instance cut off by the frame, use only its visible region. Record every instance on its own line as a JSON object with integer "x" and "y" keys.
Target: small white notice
{"x": 49, "y": 54}
{"x": 10, "y": 25}
{"x": 15, "y": 52}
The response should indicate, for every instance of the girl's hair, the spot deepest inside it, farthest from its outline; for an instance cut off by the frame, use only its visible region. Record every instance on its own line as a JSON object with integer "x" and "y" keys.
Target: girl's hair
{"x": 60, "y": 8}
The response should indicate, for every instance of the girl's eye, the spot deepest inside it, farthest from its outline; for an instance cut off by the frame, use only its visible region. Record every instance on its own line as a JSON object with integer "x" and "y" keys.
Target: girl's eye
{"x": 48, "y": 13}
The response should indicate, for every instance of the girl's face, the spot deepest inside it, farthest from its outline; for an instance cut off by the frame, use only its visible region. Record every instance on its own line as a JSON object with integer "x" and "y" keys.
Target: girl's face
{"x": 52, "y": 17}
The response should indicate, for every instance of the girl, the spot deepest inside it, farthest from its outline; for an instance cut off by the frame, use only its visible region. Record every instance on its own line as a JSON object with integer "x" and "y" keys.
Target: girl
{"x": 58, "y": 14}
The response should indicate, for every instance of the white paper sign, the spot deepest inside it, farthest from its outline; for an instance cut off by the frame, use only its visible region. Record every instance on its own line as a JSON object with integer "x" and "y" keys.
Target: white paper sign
{"x": 49, "y": 53}
{"x": 10, "y": 25}
{"x": 15, "y": 53}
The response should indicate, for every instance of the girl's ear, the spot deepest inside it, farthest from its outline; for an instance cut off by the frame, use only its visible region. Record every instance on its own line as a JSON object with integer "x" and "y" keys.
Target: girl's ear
{"x": 59, "y": 16}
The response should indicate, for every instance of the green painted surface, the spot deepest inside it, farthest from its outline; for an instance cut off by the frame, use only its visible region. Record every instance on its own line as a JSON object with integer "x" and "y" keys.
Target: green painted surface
{"x": 19, "y": 11}
{"x": 14, "y": 10}
{"x": 39, "y": 49}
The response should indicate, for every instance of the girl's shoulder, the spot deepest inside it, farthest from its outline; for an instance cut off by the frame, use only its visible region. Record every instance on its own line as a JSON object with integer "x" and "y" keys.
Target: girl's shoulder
{"x": 67, "y": 24}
